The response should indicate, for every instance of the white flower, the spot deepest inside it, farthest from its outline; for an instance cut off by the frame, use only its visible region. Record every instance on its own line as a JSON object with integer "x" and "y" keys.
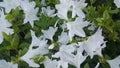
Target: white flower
{"x": 4, "y": 26}
{"x": 49, "y": 33}
{"x": 66, "y": 54}
{"x": 115, "y": 63}
{"x": 48, "y": 63}
{"x": 78, "y": 59}
{"x": 117, "y": 3}
{"x": 77, "y": 7}
{"x": 64, "y": 49}
{"x": 80, "y": 56}
{"x": 95, "y": 43}
{"x": 63, "y": 9}
{"x": 63, "y": 38}
{"x": 70, "y": 5}
{"x": 62, "y": 64}
{"x": 48, "y": 11}
{"x": 41, "y": 49}
{"x": 10, "y": 4}
{"x": 30, "y": 11}
{"x": 4, "y": 64}
{"x": 76, "y": 27}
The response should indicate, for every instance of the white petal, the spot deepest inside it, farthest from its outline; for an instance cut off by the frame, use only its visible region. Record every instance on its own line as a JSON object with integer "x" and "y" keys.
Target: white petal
{"x": 76, "y": 27}
{"x": 95, "y": 43}
{"x": 117, "y": 3}
{"x": 30, "y": 11}
{"x": 50, "y": 63}
{"x": 4, "y": 26}
{"x": 63, "y": 38}
{"x": 48, "y": 11}
{"x": 77, "y": 7}
{"x": 62, "y": 64}
{"x": 4, "y": 64}
{"x": 62, "y": 12}
{"x": 42, "y": 49}
{"x": 49, "y": 33}
{"x": 114, "y": 63}
{"x": 10, "y": 4}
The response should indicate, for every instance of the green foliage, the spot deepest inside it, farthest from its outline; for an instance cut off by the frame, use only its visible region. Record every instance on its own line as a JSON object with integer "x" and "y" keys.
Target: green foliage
{"x": 52, "y": 2}
{"x": 102, "y": 12}
{"x": 23, "y": 64}
{"x": 86, "y": 65}
{"x": 15, "y": 14}
{"x": 103, "y": 16}
{"x": 38, "y": 58}
{"x": 45, "y": 22}
{"x": 7, "y": 37}
{"x": 14, "y": 46}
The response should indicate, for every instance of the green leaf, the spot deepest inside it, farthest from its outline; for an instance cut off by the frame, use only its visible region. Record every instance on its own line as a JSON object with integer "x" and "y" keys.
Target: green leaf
{"x": 91, "y": 13}
{"x": 38, "y": 58}
{"x": 22, "y": 52}
{"x": 99, "y": 20}
{"x": 114, "y": 11}
{"x": 23, "y": 48}
{"x": 28, "y": 35}
{"x": 92, "y": 1}
{"x": 52, "y": 2}
{"x": 15, "y": 41}
{"x": 86, "y": 65}
{"x": 16, "y": 29}
{"x": 7, "y": 37}
{"x": 23, "y": 64}
{"x": 9, "y": 17}
{"x": 24, "y": 45}
{"x": 107, "y": 57}
{"x": 13, "y": 15}
{"x": 106, "y": 15}
{"x": 45, "y": 22}
{"x": 105, "y": 65}
{"x": 109, "y": 28}
{"x": 13, "y": 59}
{"x": 16, "y": 12}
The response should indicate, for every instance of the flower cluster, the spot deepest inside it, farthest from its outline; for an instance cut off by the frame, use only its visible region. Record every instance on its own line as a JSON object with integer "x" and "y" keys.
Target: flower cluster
{"x": 62, "y": 44}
